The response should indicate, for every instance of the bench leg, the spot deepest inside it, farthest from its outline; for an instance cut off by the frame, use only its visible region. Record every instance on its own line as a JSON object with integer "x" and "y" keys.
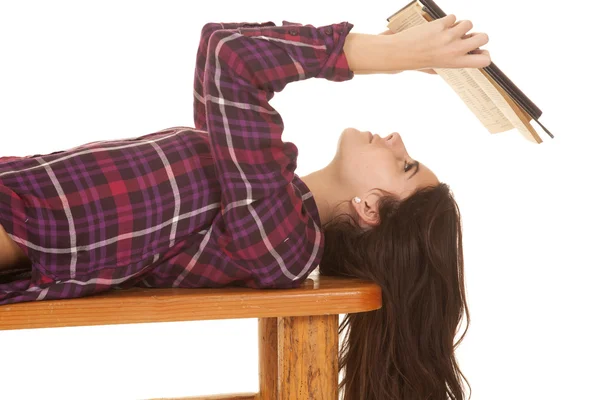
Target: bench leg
{"x": 267, "y": 358}
{"x": 308, "y": 357}
{"x": 298, "y": 357}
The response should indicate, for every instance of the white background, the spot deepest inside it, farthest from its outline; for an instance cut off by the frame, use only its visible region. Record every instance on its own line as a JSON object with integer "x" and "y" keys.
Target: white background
{"x": 75, "y": 72}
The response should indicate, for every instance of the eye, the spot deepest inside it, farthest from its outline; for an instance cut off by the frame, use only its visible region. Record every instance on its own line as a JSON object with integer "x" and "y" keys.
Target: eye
{"x": 408, "y": 166}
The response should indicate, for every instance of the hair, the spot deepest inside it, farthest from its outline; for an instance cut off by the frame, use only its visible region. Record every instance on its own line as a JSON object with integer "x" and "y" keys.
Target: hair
{"x": 405, "y": 349}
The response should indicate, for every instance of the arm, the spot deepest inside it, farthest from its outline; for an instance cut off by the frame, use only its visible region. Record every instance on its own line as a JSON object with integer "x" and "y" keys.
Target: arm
{"x": 443, "y": 43}
{"x": 264, "y": 225}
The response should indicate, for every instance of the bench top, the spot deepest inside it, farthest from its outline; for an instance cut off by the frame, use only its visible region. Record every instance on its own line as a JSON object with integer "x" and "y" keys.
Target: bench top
{"x": 319, "y": 295}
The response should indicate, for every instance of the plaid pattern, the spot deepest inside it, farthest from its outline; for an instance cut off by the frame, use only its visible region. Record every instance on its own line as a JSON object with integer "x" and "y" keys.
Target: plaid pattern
{"x": 207, "y": 207}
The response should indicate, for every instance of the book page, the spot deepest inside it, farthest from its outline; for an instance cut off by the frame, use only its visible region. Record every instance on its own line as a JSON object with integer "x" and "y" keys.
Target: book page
{"x": 465, "y": 81}
{"x": 496, "y": 97}
{"x": 478, "y": 100}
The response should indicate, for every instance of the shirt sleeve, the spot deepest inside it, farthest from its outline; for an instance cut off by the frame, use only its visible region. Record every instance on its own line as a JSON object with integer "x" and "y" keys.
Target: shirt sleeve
{"x": 207, "y": 30}
{"x": 264, "y": 222}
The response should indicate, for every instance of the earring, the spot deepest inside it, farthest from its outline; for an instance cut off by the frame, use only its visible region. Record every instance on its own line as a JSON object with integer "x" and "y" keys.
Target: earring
{"x": 357, "y": 200}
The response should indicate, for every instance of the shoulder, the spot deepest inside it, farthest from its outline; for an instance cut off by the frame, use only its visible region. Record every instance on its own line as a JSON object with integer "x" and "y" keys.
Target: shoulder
{"x": 308, "y": 201}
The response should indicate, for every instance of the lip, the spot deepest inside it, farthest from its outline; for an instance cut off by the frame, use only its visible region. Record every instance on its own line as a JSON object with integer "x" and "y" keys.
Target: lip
{"x": 370, "y": 137}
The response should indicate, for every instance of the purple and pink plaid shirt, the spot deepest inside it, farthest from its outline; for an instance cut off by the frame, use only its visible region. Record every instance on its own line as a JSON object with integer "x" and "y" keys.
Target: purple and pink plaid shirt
{"x": 207, "y": 207}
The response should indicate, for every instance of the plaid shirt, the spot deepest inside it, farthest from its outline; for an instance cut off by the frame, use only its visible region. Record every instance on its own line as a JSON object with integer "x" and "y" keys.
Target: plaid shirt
{"x": 207, "y": 207}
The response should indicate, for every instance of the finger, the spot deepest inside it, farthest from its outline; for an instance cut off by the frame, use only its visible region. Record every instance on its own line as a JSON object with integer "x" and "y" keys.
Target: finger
{"x": 388, "y": 32}
{"x": 480, "y": 51}
{"x": 468, "y": 35}
{"x": 474, "y": 61}
{"x": 447, "y": 21}
{"x": 475, "y": 41}
{"x": 461, "y": 28}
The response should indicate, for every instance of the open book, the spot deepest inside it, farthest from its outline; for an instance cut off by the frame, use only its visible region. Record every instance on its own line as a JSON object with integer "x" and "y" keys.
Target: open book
{"x": 489, "y": 94}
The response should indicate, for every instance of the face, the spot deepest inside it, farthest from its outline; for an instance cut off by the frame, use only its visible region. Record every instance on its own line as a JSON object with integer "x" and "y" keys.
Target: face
{"x": 368, "y": 161}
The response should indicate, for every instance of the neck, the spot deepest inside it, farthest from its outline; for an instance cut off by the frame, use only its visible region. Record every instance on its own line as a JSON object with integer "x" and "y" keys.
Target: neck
{"x": 328, "y": 192}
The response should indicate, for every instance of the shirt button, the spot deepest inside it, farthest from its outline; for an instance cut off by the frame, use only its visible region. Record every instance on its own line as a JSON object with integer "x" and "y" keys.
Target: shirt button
{"x": 293, "y": 32}
{"x": 328, "y": 31}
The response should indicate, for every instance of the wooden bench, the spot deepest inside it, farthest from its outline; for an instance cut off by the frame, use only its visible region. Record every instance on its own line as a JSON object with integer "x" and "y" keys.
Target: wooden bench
{"x": 297, "y": 329}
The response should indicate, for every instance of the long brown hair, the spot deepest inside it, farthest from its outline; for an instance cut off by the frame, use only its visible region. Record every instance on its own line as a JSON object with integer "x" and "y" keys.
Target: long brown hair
{"x": 405, "y": 350}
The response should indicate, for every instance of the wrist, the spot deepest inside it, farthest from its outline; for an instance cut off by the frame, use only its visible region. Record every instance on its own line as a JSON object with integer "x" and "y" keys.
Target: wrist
{"x": 372, "y": 53}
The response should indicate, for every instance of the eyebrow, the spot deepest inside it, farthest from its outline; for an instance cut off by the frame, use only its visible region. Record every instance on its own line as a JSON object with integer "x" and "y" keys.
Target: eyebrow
{"x": 416, "y": 170}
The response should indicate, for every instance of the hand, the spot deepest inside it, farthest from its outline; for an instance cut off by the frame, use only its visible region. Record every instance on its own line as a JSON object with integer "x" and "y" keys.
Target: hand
{"x": 442, "y": 43}
{"x": 426, "y": 70}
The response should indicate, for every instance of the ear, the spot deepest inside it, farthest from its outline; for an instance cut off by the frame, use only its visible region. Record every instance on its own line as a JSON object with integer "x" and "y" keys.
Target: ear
{"x": 367, "y": 211}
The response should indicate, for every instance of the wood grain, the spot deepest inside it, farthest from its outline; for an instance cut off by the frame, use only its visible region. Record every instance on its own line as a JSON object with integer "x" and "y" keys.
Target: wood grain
{"x": 308, "y": 357}
{"x": 241, "y": 396}
{"x": 319, "y": 295}
{"x": 267, "y": 358}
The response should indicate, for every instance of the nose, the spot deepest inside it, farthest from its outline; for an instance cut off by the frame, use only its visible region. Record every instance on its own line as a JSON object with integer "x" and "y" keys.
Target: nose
{"x": 393, "y": 139}
{"x": 396, "y": 144}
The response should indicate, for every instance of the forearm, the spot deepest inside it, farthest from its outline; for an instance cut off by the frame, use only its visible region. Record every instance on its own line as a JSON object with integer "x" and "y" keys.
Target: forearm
{"x": 365, "y": 72}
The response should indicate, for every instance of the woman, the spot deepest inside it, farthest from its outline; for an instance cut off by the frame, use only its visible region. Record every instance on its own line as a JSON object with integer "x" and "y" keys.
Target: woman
{"x": 220, "y": 204}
